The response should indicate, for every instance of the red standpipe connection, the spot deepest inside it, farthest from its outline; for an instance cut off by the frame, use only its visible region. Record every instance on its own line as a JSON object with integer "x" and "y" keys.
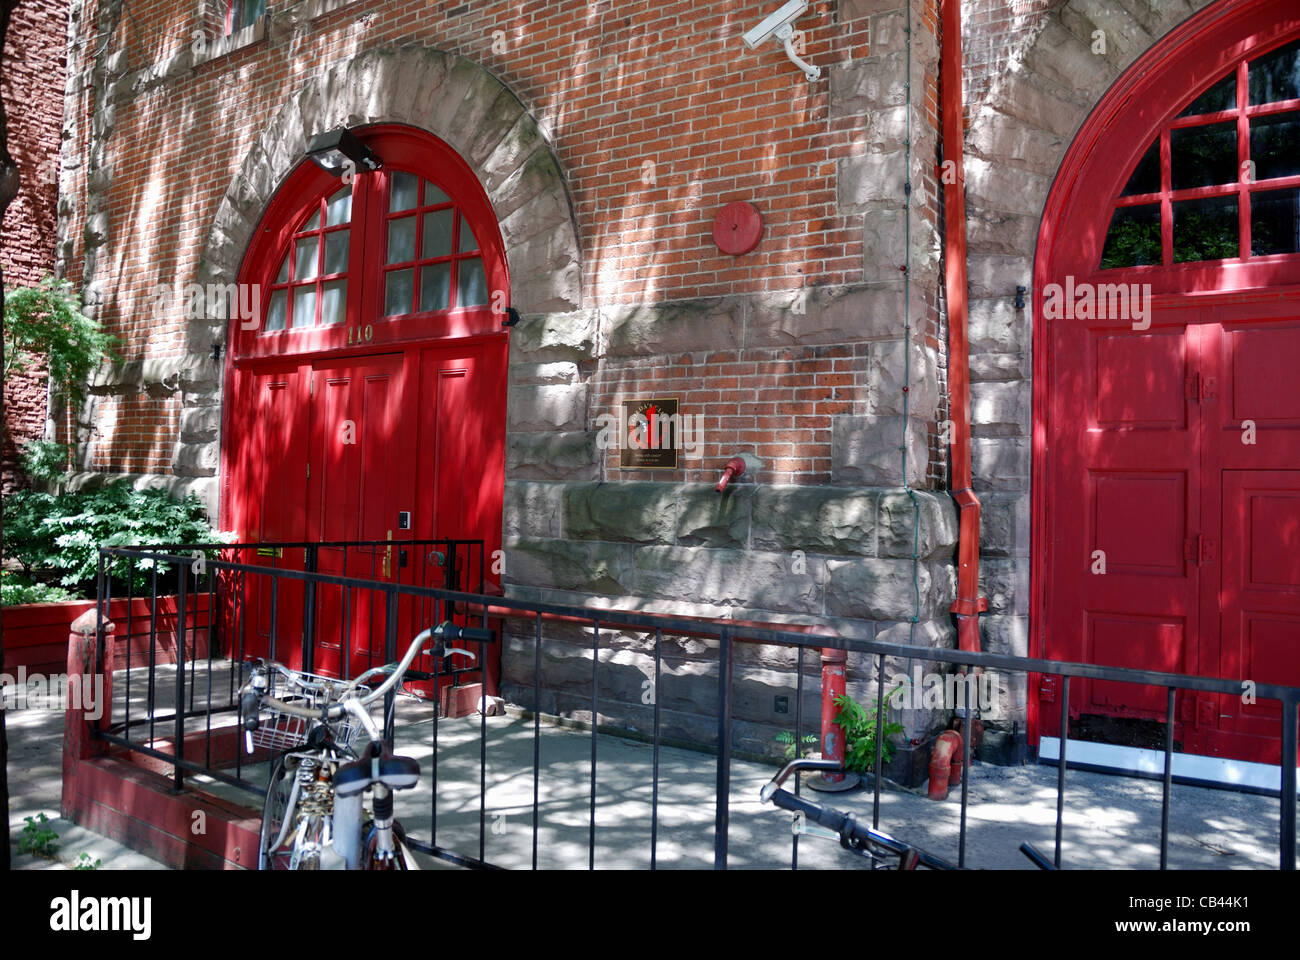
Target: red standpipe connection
{"x": 833, "y": 685}
{"x": 945, "y": 764}
{"x": 735, "y": 468}
{"x": 969, "y": 604}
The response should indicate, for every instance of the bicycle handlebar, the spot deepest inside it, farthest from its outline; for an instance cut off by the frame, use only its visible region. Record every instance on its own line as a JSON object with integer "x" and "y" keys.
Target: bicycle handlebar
{"x": 446, "y": 631}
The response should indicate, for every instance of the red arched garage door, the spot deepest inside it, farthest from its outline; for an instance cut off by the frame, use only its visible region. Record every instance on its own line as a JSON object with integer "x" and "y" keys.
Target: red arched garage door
{"x": 373, "y": 384}
{"x": 1167, "y": 384}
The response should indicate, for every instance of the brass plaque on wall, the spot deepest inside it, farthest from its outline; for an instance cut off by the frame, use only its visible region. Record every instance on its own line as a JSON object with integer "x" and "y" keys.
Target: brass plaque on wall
{"x": 650, "y": 433}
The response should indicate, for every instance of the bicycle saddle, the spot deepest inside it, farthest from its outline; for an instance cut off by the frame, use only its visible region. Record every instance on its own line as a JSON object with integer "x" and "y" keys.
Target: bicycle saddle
{"x": 396, "y": 772}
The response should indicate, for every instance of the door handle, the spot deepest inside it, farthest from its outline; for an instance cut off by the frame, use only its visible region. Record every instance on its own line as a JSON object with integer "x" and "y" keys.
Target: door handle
{"x": 388, "y": 556}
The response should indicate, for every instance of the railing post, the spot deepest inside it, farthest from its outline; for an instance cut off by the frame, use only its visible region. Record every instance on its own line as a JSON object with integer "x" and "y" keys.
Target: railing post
{"x": 90, "y": 643}
{"x": 390, "y": 655}
{"x": 722, "y": 816}
{"x": 1288, "y": 781}
{"x": 309, "y": 565}
{"x": 178, "y": 732}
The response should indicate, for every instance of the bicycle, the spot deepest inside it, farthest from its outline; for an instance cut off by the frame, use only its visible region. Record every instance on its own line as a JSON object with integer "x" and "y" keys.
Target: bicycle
{"x": 884, "y": 852}
{"x": 314, "y": 814}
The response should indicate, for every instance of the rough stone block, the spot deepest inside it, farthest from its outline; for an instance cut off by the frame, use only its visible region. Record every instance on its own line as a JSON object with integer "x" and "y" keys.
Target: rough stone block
{"x": 709, "y": 519}
{"x": 591, "y": 567}
{"x": 728, "y": 578}
{"x": 548, "y": 374}
{"x": 1000, "y": 463}
{"x": 196, "y": 459}
{"x": 552, "y": 456}
{"x": 636, "y": 512}
{"x": 867, "y": 451}
{"x": 554, "y": 336}
{"x": 674, "y": 327}
{"x": 869, "y": 178}
{"x": 815, "y": 520}
{"x": 929, "y": 523}
{"x": 1005, "y": 582}
{"x": 868, "y": 589}
{"x": 1004, "y": 524}
{"x": 893, "y": 366}
{"x": 536, "y": 408}
{"x": 200, "y": 424}
{"x": 1001, "y": 409}
{"x": 533, "y": 510}
{"x": 825, "y": 315}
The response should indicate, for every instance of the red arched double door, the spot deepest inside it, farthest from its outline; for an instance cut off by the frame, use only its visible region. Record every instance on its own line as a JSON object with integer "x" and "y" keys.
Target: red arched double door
{"x": 366, "y": 398}
{"x": 1167, "y": 384}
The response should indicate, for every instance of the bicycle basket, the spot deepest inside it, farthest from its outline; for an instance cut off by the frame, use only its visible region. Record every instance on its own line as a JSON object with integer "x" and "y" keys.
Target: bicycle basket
{"x": 281, "y": 732}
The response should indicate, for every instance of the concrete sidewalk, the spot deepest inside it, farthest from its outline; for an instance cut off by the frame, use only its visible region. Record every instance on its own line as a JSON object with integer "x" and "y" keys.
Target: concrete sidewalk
{"x": 36, "y": 786}
{"x": 1110, "y": 821}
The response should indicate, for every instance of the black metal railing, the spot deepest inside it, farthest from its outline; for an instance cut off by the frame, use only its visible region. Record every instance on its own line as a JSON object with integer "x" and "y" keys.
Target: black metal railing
{"x": 402, "y": 608}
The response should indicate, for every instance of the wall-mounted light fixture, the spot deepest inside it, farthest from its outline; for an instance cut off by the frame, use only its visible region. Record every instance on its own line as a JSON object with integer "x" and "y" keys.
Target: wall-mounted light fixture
{"x": 337, "y": 151}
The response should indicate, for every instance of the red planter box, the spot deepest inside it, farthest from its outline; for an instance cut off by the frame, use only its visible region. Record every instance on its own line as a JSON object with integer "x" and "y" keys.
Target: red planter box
{"x": 36, "y": 634}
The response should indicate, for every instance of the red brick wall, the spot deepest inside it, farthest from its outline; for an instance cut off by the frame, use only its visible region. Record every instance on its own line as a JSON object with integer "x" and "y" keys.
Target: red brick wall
{"x": 623, "y": 84}
{"x": 31, "y": 82}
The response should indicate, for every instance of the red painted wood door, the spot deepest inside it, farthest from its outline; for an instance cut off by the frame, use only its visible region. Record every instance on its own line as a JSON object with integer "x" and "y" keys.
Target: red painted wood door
{"x": 275, "y": 419}
{"x": 1127, "y": 493}
{"x": 1252, "y": 517}
{"x": 359, "y": 476}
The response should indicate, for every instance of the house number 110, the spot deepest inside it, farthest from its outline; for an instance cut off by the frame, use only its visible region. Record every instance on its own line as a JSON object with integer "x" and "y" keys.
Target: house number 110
{"x": 361, "y": 334}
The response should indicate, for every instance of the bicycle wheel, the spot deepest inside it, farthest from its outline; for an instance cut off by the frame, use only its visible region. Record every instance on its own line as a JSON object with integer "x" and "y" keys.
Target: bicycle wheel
{"x": 277, "y": 798}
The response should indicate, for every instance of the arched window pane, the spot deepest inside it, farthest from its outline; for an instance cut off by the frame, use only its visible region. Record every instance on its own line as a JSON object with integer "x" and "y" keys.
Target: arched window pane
{"x": 399, "y": 288}
{"x": 433, "y": 194}
{"x": 314, "y": 222}
{"x": 1275, "y": 145}
{"x": 401, "y": 240}
{"x": 304, "y": 306}
{"x": 1275, "y": 222}
{"x": 339, "y": 208}
{"x": 305, "y": 258}
{"x": 1133, "y": 238}
{"x": 1206, "y": 229}
{"x": 402, "y": 191}
{"x": 1203, "y": 156}
{"x": 1146, "y": 175}
{"x": 437, "y": 234}
{"x": 467, "y": 239}
{"x": 276, "y": 310}
{"x": 1276, "y": 76}
{"x": 334, "y": 299}
{"x": 1221, "y": 96}
{"x": 283, "y": 275}
{"x": 336, "y": 252}
{"x": 471, "y": 287}
{"x": 435, "y": 286}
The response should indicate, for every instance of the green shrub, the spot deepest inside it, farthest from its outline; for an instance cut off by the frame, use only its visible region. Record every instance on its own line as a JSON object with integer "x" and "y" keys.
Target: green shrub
{"x": 60, "y": 534}
{"x": 15, "y": 590}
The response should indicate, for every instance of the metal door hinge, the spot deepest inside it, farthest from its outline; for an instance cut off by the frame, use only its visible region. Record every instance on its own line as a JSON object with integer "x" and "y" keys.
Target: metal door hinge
{"x": 1200, "y": 550}
{"x": 1197, "y": 387}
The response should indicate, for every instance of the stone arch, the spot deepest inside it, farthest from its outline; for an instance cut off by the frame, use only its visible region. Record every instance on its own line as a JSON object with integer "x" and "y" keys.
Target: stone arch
{"x": 452, "y": 98}
{"x": 1017, "y": 141}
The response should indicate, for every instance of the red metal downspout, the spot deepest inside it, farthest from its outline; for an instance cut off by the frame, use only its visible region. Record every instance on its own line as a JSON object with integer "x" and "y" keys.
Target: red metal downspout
{"x": 969, "y": 604}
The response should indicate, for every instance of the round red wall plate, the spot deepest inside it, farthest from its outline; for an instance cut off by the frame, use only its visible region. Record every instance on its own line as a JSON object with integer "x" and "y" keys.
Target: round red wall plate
{"x": 737, "y": 228}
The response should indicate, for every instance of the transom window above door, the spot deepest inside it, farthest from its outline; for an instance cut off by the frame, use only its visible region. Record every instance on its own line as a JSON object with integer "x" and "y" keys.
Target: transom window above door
{"x": 1221, "y": 180}
{"x": 409, "y": 251}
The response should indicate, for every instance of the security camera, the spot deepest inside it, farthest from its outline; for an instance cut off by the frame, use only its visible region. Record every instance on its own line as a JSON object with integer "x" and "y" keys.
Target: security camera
{"x": 771, "y": 27}
{"x": 780, "y": 26}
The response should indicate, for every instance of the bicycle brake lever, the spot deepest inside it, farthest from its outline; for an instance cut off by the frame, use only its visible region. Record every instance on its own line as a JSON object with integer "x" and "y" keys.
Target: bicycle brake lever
{"x": 800, "y": 826}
